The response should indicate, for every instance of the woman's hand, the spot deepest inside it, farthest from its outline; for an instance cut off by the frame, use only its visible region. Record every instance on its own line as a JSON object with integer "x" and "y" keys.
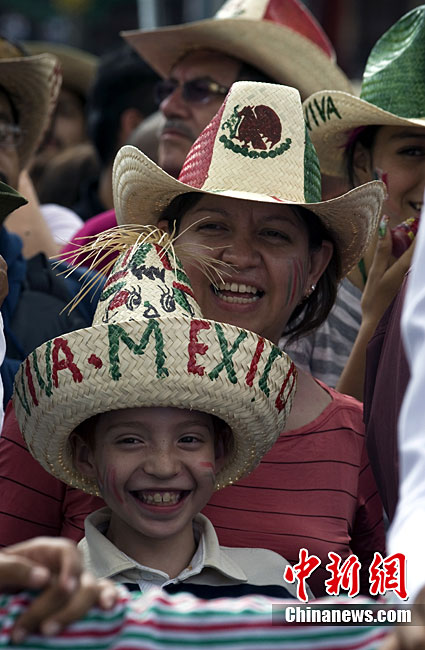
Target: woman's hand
{"x": 384, "y": 279}
{"x": 52, "y": 566}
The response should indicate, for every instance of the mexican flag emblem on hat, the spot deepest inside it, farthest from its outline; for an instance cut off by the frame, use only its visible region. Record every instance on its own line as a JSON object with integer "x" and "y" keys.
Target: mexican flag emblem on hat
{"x": 279, "y": 37}
{"x": 255, "y": 148}
{"x": 392, "y": 93}
{"x": 149, "y": 345}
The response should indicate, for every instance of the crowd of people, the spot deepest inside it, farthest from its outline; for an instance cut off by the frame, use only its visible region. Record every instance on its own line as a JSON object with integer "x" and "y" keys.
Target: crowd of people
{"x": 202, "y": 387}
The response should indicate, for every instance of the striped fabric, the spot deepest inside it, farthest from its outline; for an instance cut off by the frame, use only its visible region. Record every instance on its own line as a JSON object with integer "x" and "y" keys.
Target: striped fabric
{"x": 313, "y": 490}
{"x": 324, "y": 352}
{"x": 156, "y": 621}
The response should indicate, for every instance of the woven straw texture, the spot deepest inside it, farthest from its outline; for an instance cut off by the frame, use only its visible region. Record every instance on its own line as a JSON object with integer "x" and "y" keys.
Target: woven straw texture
{"x": 392, "y": 93}
{"x": 78, "y": 67}
{"x": 33, "y": 83}
{"x": 236, "y": 168}
{"x": 238, "y": 30}
{"x": 10, "y": 200}
{"x": 149, "y": 346}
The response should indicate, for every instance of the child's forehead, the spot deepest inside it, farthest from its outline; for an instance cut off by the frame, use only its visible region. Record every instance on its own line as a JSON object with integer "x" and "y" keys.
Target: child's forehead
{"x": 155, "y": 416}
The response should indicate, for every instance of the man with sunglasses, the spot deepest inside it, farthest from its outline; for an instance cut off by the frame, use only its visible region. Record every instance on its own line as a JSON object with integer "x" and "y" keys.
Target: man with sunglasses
{"x": 275, "y": 41}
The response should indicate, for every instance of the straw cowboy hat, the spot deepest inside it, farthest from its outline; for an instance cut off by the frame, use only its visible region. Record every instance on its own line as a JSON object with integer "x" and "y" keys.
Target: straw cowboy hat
{"x": 78, "y": 66}
{"x": 392, "y": 93}
{"x": 150, "y": 346}
{"x": 279, "y": 37}
{"x": 255, "y": 148}
{"x": 10, "y": 200}
{"x": 33, "y": 84}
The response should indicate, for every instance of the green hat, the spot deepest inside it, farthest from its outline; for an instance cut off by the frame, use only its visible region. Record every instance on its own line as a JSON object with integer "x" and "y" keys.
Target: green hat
{"x": 10, "y": 200}
{"x": 392, "y": 93}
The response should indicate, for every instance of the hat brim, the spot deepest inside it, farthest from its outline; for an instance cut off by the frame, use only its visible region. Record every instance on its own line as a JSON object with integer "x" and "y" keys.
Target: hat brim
{"x": 78, "y": 67}
{"x": 330, "y": 130}
{"x": 49, "y": 409}
{"x": 33, "y": 84}
{"x": 142, "y": 190}
{"x": 280, "y": 52}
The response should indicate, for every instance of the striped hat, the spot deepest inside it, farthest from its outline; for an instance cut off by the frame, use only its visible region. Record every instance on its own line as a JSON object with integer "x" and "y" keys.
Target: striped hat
{"x": 279, "y": 37}
{"x": 392, "y": 93}
{"x": 150, "y": 346}
{"x": 255, "y": 148}
{"x": 33, "y": 84}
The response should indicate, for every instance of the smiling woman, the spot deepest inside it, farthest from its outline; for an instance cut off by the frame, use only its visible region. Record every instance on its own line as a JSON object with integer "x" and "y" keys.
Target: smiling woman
{"x": 380, "y": 134}
{"x": 254, "y": 207}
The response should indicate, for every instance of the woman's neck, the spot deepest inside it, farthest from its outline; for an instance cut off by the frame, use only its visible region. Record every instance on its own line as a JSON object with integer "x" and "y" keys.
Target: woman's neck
{"x": 309, "y": 402}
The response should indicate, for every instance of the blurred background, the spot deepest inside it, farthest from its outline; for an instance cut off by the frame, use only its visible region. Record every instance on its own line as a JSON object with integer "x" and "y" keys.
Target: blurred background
{"x": 94, "y": 25}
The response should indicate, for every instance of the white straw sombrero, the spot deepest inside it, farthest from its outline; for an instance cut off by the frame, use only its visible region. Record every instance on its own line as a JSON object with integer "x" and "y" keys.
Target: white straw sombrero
{"x": 150, "y": 346}
{"x": 78, "y": 66}
{"x": 33, "y": 84}
{"x": 392, "y": 94}
{"x": 279, "y": 37}
{"x": 255, "y": 148}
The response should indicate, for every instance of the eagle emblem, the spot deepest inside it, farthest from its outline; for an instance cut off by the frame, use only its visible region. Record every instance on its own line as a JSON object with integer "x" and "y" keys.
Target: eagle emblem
{"x": 258, "y": 129}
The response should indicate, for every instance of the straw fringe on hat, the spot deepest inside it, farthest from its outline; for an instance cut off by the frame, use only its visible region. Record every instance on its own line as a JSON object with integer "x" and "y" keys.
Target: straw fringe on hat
{"x": 33, "y": 83}
{"x": 392, "y": 93}
{"x": 255, "y": 148}
{"x": 10, "y": 200}
{"x": 279, "y": 37}
{"x": 78, "y": 66}
{"x": 150, "y": 346}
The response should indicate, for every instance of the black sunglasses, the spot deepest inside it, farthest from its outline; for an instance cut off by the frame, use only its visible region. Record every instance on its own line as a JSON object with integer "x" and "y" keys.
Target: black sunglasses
{"x": 196, "y": 91}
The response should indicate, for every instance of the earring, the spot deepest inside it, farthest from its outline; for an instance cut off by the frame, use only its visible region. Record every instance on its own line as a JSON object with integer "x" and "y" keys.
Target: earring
{"x": 310, "y": 291}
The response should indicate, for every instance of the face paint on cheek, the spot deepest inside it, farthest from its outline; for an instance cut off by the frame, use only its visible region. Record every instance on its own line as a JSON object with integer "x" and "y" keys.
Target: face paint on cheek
{"x": 296, "y": 275}
{"x": 380, "y": 175}
{"x": 210, "y": 470}
{"x": 109, "y": 484}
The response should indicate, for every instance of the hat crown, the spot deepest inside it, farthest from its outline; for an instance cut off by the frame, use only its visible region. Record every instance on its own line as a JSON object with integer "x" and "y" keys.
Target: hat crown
{"x": 394, "y": 75}
{"x": 147, "y": 281}
{"x": 259, "y": 133}
{"x": 286, "y": 13}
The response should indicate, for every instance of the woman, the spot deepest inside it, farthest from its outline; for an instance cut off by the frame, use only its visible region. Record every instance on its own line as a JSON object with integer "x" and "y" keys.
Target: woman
{"x": 381, "y": 135}
{"x": 285, "y": 252}
{"x": 315, "y": 489}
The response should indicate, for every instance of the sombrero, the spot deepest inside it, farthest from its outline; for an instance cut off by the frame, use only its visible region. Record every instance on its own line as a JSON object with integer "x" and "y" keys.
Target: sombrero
{"x": 255, "y": 148}
{"x": 279, "y": 37}
{"x": 150, "y": 346}
{"x": 33, "y": 84}
{"x": 78, "y": 66}
{"x": 392, "y": 93}
{"x": 10, "y": 200}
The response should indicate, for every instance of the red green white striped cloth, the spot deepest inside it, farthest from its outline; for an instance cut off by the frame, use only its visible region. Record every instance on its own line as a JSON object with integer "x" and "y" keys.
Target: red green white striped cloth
{"x": 156, "y": 621}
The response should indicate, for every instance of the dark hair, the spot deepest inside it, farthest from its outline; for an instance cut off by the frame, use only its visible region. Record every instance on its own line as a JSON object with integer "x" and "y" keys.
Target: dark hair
{"x": 313, "y": 311}
{"x": 366, "y": 137}
{"x": 123, "y": 80}
{"x": 248, "y": 72}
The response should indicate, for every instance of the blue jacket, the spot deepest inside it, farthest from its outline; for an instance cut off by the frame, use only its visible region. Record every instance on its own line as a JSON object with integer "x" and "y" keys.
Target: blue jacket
{"x": 31, "y": 310}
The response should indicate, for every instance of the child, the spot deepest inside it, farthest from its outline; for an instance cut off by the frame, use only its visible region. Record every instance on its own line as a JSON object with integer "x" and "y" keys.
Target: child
{"x": 154, "y": 408}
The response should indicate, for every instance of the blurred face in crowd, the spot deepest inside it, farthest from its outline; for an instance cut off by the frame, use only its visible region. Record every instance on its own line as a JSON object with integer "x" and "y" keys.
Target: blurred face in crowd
{"x": 9, "y": 138}
{"x": 68, "y": 126}
{"x": 191, "y": 97}
{"x": 398, "y": 157}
